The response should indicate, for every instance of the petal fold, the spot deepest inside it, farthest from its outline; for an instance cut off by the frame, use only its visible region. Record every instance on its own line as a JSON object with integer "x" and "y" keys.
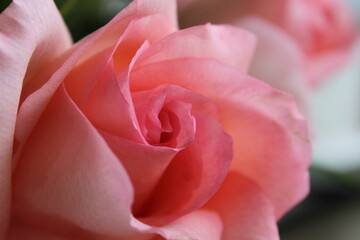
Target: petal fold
{"x": 46, "y": 36}
{"x": 278, "y": 60}
{"x": 271, "y": 140}
{"x": 193, "y": 176}
{"x": 245, "y": 210}
{"x": 68, "y": 178}
{"x": 98, "y": 42}
{"x": 231, "y": 45}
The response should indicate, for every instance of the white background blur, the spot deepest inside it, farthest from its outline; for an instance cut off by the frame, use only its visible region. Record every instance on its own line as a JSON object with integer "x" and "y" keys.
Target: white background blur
{"x": 332, "y": 210}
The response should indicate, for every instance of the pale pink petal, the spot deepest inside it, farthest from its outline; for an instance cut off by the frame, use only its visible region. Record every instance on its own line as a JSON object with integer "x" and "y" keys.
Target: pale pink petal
{"x": 165, "y": 115}
{"x": 67, "y": 177}
{"x": 29, "y": 32}
{"x": 109, "y": 110}
{"x": 135, "y": 10}
{"x": 148, "y": 107}
{"x": 270, "y": 137}
{"x": 239, "y": 210}
{"x": 83, "y": 79}
{"x": 228, "y": 44}
{"x": 320, "y": 25}
{"x": 326, "y": 32}
{"x": 99, "y": 85}
{"x": 199, "y": 225}
{"x": 246, "y": 211}
{"x": 138, "y": 31}
{"x": 193, "y": 176}
{"x": 101, "y": 40}
{"x": 278, "y": 60}
{"x": 183, "y": 124}
{"x": 145, "y": 165}
{"x": 321, "y": 66}
{"x": 198, "y": 102}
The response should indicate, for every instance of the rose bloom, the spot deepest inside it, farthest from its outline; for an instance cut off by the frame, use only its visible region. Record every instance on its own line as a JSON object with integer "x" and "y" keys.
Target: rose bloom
{"x": 300, "y": 42}
{"x": 141, "y": 131}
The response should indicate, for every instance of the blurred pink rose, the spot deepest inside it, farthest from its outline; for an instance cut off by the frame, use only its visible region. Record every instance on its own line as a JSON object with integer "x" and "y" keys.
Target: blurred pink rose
{"x": 322, "y": 30}
{"x": 141, "y": 131}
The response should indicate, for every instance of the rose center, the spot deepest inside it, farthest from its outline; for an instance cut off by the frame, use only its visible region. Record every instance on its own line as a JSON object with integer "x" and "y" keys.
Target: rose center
{"x": 163, "y": 119}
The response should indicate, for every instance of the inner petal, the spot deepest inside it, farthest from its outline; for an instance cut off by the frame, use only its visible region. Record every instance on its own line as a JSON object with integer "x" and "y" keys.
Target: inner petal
{"x": 164, "y": 120}
{"x": 183, "y": 124}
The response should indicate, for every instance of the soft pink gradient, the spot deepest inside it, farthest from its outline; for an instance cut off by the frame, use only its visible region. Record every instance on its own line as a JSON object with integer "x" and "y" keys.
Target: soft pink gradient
{"x": 18, "y": 57}
{"x": 141, "y": 131}
{"x": 323, "y": 30}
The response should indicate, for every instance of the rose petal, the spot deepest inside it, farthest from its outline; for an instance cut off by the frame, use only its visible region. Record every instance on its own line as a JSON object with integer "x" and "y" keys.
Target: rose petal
{"x": 46, "y": 37}
{"x": 68, "y": 177}
{"x": 109, "y": 110}
{"x": 93, "y": 44}
{"x": 82, "y": 80}
{"x": 245, "y": 210}
{"x": 325, "y": 30}
{"x": 193, "y": 176}
{"x": 278, "y": 60}
{"x": 245, "y": 213}
{"x": 144, "y": 164}
{"x": 136, "y": 33}
{"x": 100, "y": 87}
{"x": 270, "y": 137}
{"x": 199, "y": 225}
{"x": 320, "y": 67}
{"x": 173, "y": 105}
{"x": 228, "y": 44}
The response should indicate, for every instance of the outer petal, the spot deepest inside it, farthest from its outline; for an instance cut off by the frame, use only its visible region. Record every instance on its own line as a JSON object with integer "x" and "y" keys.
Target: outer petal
{"x": 145, "y": 164}
{"x": 95, "y": 43}
{"x": 199, "y": 225}
{"x": 278, "y": 60}
{"x": 68, "y": 180}
{"x": 239, "y": 210}
{"x": 136, "y": 35}
{"x": 245, "y": 210}
{"x": 30, "y": 32}
{"x": 228, "y": 44}
{"x": 99, "y": 85}
{"x": 109, "y": 109}
{"x": 270, "y": 137}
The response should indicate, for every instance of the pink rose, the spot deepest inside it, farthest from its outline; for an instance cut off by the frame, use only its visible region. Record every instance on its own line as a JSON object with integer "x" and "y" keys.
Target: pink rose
{"x": 141, "y": 131}
{"x": 322, "y": 30}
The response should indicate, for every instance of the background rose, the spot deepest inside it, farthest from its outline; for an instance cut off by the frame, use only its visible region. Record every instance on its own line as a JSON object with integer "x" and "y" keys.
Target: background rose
{"x": 300, "y": 42}
{"x": 128, "y": 125}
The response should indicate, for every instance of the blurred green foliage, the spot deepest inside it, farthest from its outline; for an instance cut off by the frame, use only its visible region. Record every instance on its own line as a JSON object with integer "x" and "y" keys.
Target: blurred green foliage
{"x": 84, "y": 16}
{"x": 4, "y": 4}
